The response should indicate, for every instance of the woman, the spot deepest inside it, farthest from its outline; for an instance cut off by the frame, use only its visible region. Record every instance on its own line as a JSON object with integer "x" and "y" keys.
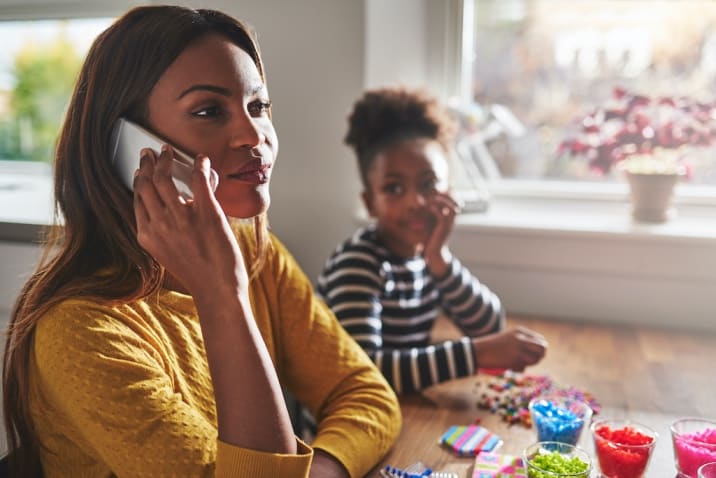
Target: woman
{"x": 155, "y": 339}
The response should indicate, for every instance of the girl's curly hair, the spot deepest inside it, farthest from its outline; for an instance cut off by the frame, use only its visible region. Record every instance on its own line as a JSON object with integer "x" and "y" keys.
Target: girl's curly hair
{"x": 386, "y": 116}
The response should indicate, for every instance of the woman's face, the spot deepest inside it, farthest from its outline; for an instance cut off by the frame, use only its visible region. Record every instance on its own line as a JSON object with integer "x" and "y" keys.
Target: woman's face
{"x": 212, "y": 101}
{"x": 401, "y": 182}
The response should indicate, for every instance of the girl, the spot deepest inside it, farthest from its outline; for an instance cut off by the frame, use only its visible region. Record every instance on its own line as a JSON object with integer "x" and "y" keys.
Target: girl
{"x": 388, "y": 282}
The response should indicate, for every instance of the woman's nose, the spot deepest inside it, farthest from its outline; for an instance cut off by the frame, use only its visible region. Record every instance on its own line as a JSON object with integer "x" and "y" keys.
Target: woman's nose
{"x": 247, "y": 132}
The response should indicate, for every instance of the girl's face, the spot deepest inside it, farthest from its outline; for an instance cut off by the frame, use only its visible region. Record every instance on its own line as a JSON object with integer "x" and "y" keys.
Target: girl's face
{"x": 400, "y": 183}
{"x": 212, "y": 101}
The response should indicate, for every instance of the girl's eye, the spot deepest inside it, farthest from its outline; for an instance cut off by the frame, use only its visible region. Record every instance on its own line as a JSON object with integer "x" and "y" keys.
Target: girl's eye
{"x": 258, "y": 108}
{"x": 393, "y": 188}
{"x": 429, "y": 186}
{"x": 208, "y": 112}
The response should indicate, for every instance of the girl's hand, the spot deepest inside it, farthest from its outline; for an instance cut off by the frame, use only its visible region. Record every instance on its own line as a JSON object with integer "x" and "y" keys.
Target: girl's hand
{"x": 192, "y": 239}
{"x": 512, "y": 349}
{"x": 436, "y": 253}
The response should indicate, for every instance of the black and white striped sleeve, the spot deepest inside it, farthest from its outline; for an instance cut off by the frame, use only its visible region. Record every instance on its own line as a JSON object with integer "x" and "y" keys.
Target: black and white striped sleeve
{"x": 411, "y": 369}
{"x": 352, "y": 287}
{"x": 469, "y": 303}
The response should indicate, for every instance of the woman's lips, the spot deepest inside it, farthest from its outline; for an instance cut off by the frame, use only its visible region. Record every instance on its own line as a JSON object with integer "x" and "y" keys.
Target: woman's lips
{"x": 254, "y": 172}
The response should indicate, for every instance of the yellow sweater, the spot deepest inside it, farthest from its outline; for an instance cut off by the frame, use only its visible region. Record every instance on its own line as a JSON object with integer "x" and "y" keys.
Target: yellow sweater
{"x": 125, "y": 390}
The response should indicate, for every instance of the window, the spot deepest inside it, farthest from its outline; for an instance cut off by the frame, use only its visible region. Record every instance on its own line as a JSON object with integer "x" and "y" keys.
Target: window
{"x": 543, "y": 74}
{"x": 39, "y": 63}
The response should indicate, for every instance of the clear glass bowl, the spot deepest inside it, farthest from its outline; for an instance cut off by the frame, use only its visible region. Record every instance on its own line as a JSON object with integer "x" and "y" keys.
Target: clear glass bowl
{"x": 619, "y": 453}
{"x": 559, "y": 418}
{"x": 538, "y": 453}
{"x": 694, "y": 441}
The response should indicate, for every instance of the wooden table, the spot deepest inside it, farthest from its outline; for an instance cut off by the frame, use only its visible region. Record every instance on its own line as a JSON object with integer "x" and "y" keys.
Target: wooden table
{"x": 650, "y": 376}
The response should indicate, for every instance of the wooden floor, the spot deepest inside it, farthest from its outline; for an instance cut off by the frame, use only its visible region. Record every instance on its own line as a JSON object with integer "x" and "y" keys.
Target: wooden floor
{"x": 651, "y": 376}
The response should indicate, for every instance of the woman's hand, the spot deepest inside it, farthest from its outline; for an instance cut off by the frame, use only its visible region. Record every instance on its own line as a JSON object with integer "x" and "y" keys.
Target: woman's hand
{"x": 436, "y": 253}
{"x": 512, "y": 349}
{"x": 192, "y": 239}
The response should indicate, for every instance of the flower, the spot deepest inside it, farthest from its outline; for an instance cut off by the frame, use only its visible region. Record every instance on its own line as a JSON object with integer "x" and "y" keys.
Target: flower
{"x": 644, "y": 134}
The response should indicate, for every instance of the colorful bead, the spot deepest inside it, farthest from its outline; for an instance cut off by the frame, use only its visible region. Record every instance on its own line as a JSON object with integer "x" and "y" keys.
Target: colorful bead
{"x": 513, "y": 391}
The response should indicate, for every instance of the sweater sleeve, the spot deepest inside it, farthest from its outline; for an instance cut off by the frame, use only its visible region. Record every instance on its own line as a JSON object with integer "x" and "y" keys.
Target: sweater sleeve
{"x": 108, "y": 385}
{"x": 469, "y": 303}
{"x": 352, "y": 287}
{"x": 357, "y": 413}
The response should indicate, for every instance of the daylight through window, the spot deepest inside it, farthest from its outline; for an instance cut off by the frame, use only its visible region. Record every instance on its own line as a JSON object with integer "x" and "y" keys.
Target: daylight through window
{"x": 39, "y": 62}
{"x": 566, "y": 90}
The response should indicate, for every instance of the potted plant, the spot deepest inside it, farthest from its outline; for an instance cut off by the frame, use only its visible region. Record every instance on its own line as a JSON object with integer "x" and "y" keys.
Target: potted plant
{"x": 649, "y": 139}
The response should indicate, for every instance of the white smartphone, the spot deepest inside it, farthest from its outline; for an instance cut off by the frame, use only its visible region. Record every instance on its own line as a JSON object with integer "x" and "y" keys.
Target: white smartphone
{"x": 126, "y": 143}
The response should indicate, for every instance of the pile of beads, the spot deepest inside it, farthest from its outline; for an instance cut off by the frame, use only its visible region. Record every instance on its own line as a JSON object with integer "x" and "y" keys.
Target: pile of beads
{"x": 551, "y": 465}
{"x": 508, "y": 394}
{"x": 622, "y": 452}
{"x": 694, "y": 449}
{"x": 562, "y": 423}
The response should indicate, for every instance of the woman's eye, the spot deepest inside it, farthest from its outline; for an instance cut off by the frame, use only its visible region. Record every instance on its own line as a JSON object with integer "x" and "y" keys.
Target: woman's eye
{"x": 208, "y": 112}
{"x": 258, "y": 108}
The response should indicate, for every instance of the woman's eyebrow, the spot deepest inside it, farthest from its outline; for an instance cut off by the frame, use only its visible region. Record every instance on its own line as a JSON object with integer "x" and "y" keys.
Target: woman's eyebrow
{"x": 220, "y": 90}
{"x": 215, "y": 89}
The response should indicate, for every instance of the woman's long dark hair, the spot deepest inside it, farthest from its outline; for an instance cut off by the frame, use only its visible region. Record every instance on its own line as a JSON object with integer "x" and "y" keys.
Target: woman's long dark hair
{"x": 94, "y": 253}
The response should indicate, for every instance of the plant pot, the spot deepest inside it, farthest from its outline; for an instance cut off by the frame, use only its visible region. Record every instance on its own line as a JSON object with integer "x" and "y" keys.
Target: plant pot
{"x": 652, "y": 195}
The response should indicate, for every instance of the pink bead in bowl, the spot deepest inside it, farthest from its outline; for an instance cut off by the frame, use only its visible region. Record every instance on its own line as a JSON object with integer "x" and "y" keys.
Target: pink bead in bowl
{"x": 694, "y": 441}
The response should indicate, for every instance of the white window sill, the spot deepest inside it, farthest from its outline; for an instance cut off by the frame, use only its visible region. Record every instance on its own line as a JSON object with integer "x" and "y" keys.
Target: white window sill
{"x": 25, "y": 201}
{"x": 588, "y": 260}
{"x": 590, "y": 218}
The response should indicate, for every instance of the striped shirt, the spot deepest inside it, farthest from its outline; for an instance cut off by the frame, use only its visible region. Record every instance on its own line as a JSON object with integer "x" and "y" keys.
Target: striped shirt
{"x": 389, "y": 305}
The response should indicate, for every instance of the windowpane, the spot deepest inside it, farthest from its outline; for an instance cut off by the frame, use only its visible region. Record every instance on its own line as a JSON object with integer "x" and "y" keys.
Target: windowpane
{"x": 564, "y": 89}
{"x": 39, "y": 62}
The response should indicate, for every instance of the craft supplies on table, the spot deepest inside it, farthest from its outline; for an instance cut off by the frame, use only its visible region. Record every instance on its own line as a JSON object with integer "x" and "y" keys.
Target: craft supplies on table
{"x": 556, "y": 460}
{"x": 509, "y": 394}
{"x": 416, "y": 470}
{"x": 623, "y": 448}
{"x": 468, "y": 440}
{"x": 498, "y": 465}
{"x": 559, "y": 418}
{"x": 694, "y": 441}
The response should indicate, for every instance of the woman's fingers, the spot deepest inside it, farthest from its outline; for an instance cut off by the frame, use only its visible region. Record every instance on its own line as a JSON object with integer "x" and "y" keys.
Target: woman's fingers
{"x": 144, "y": 191}
{"x": 201, "y": 183}
{"x": 140, "y": 210}
{"x": 163, "y": 181}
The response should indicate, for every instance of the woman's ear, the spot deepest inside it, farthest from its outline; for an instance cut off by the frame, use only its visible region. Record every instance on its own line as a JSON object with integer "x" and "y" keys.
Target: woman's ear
{"x": 367, "y": 198}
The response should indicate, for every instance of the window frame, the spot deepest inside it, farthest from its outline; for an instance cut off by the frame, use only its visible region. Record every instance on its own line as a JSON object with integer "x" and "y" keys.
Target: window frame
{"x": 16, "y": 10}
